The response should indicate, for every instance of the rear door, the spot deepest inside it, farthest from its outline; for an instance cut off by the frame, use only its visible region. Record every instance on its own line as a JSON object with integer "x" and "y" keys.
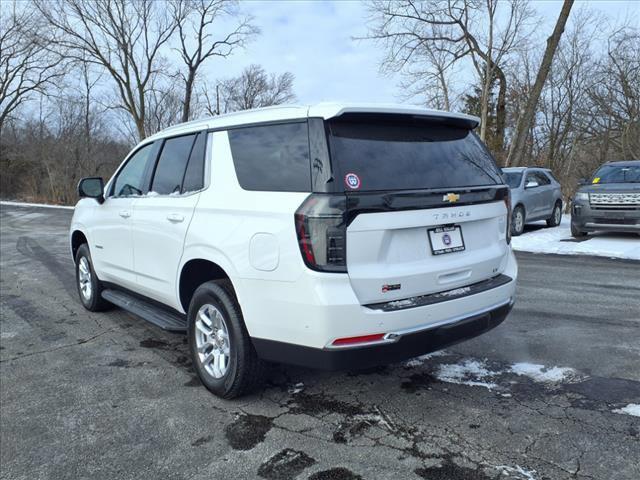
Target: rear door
{"x": 426, "y": 203}
{"x": 547, "y": 194}
{"x": 533, "y": 197}
{"x": 161, "y": 218}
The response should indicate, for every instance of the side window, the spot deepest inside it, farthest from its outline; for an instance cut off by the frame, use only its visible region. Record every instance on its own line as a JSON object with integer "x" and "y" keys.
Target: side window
{"x": 542, "y": 178}
{"x": 272, "y": 157}
{"x": 531, "y": 177}
{"x": 194, "y": 176}
{"x": 131, "y": 178}
{"x": 172, "y": 164}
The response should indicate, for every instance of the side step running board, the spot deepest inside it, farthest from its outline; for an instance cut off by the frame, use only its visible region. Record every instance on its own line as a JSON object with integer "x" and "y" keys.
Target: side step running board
{"x": 171, "y": 322}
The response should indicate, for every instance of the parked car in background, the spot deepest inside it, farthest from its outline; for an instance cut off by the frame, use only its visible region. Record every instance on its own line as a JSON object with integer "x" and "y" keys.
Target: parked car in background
{"x": 609, "y": 200}
{"x": 535, "y": 195}
{"x": 332, "y": 236}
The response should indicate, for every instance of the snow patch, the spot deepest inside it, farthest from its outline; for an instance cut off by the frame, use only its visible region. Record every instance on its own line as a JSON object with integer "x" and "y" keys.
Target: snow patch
{"x": 297, "y": 388}
{"x": 542, "y": 374}
{"x": 455, "y": 292}
{"x": 517, "y": 470}
{"x": 416, "y": 362}
{"x": 631, "y": 409}
{"x": 559, "y": 240}
{"x": 469, "y": 372}
{"x": 402, "y": 303}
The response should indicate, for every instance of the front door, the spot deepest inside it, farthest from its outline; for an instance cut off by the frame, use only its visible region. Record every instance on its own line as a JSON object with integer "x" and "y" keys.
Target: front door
{"x": 112, "y": 249}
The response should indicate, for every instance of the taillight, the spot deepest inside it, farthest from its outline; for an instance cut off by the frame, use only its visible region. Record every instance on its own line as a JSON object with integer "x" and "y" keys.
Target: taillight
{"x": 322, "y": 232}
{"x": 507, "y": 203}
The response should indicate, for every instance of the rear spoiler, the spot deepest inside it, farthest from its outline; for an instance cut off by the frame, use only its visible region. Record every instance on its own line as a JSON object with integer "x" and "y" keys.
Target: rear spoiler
{"x": 459, "y": 121}
{"x": 329, "y": 111}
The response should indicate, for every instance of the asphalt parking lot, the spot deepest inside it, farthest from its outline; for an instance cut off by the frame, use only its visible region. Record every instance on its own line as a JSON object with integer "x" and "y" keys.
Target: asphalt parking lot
{"x": 549, "y": 394}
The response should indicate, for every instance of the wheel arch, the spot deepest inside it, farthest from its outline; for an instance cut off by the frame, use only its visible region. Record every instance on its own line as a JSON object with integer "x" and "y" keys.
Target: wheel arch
{"x": 521, "y": 205}
{"x": 78, "y": 237}
{"x": 195, "y": 272}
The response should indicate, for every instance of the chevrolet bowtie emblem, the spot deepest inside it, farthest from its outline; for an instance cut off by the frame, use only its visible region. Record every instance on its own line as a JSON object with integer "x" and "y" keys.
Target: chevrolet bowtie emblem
{"x": 451, "y": 197}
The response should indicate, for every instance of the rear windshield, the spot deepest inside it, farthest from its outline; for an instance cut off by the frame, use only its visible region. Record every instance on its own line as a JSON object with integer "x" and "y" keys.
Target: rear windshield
{"x": 617, "y": 174}
{"x": 512, "y": 178}
{"x": 388, "y": 155}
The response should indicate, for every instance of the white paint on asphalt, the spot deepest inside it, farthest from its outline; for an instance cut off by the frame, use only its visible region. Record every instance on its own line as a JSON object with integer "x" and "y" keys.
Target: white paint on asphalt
{"x": 559, "y": 240}
{"x": 631, "y": 409}
{"x": 542, "y": 374}
{"x": 38, "y": 205}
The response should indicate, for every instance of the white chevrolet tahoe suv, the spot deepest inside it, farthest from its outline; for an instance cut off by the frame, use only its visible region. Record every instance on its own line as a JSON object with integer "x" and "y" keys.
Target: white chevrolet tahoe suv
{"x": 334, "y": 236}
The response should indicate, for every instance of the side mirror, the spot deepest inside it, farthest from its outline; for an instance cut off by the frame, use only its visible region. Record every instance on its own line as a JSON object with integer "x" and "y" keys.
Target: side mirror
{"x": 582, "y": 181}
{"x": 531, "y": 184}
{"x": 91, "y": 187}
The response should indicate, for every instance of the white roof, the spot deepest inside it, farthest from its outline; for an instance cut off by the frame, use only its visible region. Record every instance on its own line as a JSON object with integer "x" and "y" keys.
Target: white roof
{"x": 295, "y": 112}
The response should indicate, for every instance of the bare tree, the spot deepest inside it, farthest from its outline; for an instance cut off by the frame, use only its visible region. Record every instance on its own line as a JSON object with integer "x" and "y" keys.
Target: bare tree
{"x": 615, "y": 94}
{"x": 26, "y": 68}
{"x": 196, "y": 20}
{"x": 449, "y": 31}
{"x": 124, "y": 37}
{"x": 254, "y": 88}
{"x": 525, "y": 119}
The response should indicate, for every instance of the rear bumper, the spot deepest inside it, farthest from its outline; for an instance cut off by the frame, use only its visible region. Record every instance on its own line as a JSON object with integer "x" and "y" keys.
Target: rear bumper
{"x": 588, "y": 219}
{"x": 405, "y": 346}
{"x": 320, "y": 308}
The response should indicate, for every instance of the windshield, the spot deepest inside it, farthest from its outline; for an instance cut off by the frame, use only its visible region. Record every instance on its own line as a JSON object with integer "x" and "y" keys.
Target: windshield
{"x": 617, "y": 174}
{"x": 410, "y": 155}
{"x": 512, "y": 178}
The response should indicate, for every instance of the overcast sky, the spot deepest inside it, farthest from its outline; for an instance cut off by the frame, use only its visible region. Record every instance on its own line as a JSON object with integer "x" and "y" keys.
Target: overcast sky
{"x": 313, "y": 40}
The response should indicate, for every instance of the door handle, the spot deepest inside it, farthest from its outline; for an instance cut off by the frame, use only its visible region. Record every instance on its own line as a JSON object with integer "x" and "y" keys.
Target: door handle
{"x": 175, "y": 217}
{"x": 124, "y": 213}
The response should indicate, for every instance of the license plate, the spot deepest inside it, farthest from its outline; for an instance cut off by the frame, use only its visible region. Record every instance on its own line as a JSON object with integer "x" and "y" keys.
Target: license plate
{"x": 446, "y": 239}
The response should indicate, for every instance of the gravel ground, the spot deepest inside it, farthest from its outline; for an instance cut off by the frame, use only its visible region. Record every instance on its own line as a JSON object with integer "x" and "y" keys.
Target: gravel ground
{"x": 553, "y": 393}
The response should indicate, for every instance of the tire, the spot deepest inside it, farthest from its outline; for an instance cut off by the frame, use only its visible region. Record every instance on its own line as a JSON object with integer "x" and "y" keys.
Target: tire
{"x": 517, "y": 221}
{"x": 556, "y": 216}
{"x": 221, "y": 349}
{"x": 89, "y": 285}
{"x": 577, "y": 233}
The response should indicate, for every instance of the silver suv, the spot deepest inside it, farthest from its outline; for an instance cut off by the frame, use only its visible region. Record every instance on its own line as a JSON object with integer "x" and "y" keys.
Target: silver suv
{"x": 535, "y": 195}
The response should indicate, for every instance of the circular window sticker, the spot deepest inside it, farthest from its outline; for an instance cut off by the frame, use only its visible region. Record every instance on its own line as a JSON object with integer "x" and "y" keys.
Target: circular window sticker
{"x": 352, "y": 181}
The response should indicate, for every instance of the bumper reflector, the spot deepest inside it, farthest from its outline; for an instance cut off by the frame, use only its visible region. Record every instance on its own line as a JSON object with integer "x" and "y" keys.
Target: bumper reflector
{"x": 356, "y": 340}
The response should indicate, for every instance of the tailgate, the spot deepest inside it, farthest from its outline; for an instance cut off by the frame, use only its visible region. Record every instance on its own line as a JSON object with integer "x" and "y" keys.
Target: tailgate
{"x": 389, "y": 255}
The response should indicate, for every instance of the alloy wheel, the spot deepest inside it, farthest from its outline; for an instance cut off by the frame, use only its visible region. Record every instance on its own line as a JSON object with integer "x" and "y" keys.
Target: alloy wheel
{"x": 84, "y": 279}
{"x": 518, "y": 221}
{"x": 212, "y": 341}
{"x": 557, "y": 214}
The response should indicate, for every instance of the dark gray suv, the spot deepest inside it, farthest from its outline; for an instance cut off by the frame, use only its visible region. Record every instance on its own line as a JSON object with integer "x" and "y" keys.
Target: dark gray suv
{"x": 609, "y": 201}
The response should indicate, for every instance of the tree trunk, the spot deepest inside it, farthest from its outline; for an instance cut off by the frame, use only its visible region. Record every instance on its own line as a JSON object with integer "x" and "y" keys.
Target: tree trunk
{"x": 525, "y": 121}
{"x": 501, "y": 112}
{"x": 188, "y": 93}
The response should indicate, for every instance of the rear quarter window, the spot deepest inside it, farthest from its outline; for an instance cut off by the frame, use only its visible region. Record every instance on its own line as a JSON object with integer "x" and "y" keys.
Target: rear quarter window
{"x": 272, "y": 157}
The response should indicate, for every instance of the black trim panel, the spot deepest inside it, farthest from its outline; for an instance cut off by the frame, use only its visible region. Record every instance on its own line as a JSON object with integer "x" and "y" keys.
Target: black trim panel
{"x": 407, "y": 346}
{"x": 391, "y": 201}
{"x": 432, "y": 298}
